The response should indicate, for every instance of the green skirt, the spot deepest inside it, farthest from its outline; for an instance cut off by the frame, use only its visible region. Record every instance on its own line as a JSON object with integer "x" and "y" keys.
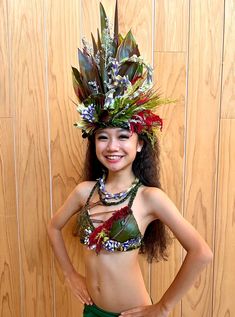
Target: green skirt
{"x": 94, "y": 311}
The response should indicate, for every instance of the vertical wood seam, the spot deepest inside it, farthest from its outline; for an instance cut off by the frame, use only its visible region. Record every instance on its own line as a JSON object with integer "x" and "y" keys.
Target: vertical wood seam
{"x": 218, "y": 162}
{"x": 11, "y": 99}
{"x": 186, "y": 127}
{"x": 9, "y": 60}
{"x": 46, "y": 85}
{"x": 18, "y": 220}
{"x": 152, "y": 63}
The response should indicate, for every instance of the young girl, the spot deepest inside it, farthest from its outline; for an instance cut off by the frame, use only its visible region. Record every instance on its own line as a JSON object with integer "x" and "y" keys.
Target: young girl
{"x": 121, "y": 208}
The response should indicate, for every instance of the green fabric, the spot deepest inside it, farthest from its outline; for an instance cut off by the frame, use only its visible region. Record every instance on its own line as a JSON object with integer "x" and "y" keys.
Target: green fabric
{"x": 94, "y": 311}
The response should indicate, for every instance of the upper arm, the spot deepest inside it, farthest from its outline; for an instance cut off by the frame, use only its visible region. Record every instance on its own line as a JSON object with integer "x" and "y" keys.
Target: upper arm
{"x": 72, "y": 204}
{"x": 163, "y": 208}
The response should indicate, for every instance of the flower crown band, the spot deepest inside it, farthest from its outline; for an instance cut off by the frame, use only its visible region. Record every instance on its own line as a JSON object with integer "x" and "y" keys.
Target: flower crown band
{"x": 114, "y": 84}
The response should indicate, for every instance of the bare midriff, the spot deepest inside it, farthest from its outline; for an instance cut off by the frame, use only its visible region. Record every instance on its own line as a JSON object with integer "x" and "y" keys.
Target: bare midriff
{"x": 114, "y": 280}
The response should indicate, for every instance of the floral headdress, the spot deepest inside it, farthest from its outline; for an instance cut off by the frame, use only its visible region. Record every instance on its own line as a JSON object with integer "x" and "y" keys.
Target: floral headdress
{"x": 114, "y": 84}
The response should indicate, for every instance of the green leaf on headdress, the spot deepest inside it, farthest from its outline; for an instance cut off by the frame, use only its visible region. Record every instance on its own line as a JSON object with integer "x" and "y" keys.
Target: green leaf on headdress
{"x": 129, "y": 69}
{"x": 116, "y": 21}
{"x": 96, "y": 99}
{"x": 88, "y": 69}
{"x": 98, "y": 40}
{"x": 95, "y": 48}
{"x": 78, "y": 85}
{"x": 120, "y": 39}
{"x": 102, "y": 61}
{"x": 128, "y": 47}
{"x": 103, "y": 20}
{"x": 156, "y": 102}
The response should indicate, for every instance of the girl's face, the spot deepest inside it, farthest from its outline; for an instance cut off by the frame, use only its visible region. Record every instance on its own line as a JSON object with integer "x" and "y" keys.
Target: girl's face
{"x": 116, "y": 148}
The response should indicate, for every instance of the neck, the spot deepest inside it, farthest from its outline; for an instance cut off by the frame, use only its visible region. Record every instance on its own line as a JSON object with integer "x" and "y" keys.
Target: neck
{"x": 119, "y": 180}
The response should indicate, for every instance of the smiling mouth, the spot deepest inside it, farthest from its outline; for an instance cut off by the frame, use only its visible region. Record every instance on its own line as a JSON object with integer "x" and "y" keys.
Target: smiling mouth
{"x": 114, "y": 157}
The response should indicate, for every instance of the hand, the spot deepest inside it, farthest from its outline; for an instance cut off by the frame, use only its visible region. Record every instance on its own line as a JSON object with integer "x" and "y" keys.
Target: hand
{"x": 77, "y": 284}
{"x": 155, "y": 310}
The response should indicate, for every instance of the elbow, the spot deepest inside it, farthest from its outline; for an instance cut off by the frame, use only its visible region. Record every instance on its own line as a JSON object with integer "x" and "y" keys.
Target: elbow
{"x": 50, "y": 228}
{"x": 208, "y": 256}
{"x": 205, "y": 255}
{"x": 201, "y": 255}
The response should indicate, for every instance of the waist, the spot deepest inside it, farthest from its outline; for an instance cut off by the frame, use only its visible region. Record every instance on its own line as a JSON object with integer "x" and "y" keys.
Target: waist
{"x": 115, "y": 299}
{"x": 116, "y": 284}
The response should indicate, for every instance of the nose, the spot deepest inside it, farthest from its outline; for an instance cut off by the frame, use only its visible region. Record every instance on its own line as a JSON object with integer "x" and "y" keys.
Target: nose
{"x": 113, "y": 145}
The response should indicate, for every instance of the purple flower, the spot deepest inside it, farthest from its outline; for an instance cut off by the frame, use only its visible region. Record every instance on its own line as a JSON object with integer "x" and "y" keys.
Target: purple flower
{"x": 88, "y": 114}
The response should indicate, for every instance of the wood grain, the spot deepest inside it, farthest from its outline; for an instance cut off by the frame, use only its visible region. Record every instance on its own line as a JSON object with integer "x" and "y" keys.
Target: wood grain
{"x": 139, "y": 18}
{"x": 67, "y": 146}
{"x": 171, "y": 25}
{"x": 228, "y": 78}
{"x": 38, "y": 45}
{"x": 224, "y": 278}
{"x": 26, "y": 21}
{"x": 205, "y": 47}
{"x": 170, "y": 78}
{"x": 9, "y": 248}
{"x": 5, "y": 110}
{"x": 90, "y": 17}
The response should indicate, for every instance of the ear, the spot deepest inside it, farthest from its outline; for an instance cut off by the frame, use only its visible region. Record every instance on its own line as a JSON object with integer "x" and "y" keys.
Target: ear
{"x": 140, "y": 145}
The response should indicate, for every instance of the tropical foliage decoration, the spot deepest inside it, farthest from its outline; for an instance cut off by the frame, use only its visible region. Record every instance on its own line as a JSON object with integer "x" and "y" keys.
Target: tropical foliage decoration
{"x": 114, "y": 84}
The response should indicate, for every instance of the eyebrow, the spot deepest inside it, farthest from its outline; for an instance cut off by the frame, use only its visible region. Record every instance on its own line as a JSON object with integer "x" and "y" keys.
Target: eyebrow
{"x": 119, "y": 130}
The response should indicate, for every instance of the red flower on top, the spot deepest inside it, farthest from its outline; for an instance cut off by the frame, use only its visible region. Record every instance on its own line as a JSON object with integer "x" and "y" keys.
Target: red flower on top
{"x": 145, "y": 120}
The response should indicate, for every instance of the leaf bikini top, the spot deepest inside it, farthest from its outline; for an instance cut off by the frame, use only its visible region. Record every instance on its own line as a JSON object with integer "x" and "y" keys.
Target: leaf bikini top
{"x": 120, "y": 232}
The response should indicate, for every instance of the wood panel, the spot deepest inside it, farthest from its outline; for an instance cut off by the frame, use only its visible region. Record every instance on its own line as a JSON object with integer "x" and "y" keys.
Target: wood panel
{"x": 9, "y": 251}
{"x": 228, "y": 79}
{"x": 38, "y": 44}
{"x": 26, "y": 21}
{"x": 90, "y": 17}
{"x": 139, "y": 18}
{"x": 67, "y": 146}
{"x": 204, "y": 71}
{"x": 171, "y": 25}
{"x": 224, "y": 279}
{"x": 170, "y": 80}
{"x": 5, "y": 110}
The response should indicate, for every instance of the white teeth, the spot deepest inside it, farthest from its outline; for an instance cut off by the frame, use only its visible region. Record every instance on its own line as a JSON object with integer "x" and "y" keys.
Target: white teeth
{"x": 113, "y": 157}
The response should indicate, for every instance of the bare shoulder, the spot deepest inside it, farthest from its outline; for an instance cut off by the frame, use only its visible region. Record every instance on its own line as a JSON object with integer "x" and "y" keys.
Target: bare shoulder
{"x": 155, "y": 200}
{"x": 73, "y": 203}
{"x": 83, "y": 189}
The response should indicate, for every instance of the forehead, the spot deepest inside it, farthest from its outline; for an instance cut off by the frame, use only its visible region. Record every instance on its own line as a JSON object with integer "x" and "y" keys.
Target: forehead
{"x": 111, "y": 130}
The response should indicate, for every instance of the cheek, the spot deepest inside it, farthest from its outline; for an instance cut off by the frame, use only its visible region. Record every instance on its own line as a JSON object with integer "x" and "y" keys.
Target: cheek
{"x": 99, "y": 147}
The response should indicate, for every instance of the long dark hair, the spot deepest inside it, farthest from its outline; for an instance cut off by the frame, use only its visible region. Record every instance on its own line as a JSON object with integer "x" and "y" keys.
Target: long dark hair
{"x": 146, "y": 167}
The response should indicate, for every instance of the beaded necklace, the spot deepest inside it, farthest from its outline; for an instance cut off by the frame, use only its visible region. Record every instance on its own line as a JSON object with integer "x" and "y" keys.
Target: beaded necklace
{"x": 110, "y": 199}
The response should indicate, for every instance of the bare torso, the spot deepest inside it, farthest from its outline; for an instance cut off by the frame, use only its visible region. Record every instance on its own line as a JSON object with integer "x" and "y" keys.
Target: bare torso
{"x": 114, "y": 280}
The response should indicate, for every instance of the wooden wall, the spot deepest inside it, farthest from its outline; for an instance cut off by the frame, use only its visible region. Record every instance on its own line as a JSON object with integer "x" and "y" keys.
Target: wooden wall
{"x": 191, "y": 44}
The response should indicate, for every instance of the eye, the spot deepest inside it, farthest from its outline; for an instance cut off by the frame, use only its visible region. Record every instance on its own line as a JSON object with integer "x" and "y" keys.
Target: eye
{"x": 102, "y": 137}
{"x": 124, "y": 136}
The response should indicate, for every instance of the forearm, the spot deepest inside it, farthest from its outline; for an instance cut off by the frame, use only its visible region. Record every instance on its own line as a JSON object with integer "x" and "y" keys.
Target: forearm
{"x": 192, "y": 266}
{"x": 59, "y": 249}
